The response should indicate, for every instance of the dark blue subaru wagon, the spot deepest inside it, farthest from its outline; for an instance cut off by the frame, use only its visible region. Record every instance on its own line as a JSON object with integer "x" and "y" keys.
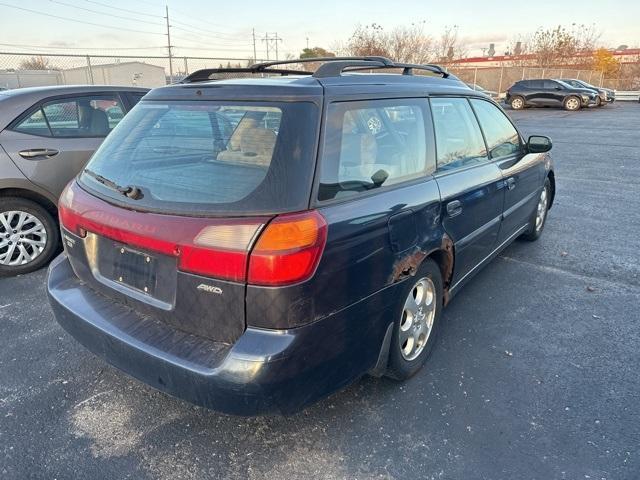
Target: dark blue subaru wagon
{"x": 252, "y": 245}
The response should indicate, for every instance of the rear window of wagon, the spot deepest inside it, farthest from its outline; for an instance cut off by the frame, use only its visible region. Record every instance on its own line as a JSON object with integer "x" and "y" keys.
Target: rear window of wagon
{"x": 210, "y": 157}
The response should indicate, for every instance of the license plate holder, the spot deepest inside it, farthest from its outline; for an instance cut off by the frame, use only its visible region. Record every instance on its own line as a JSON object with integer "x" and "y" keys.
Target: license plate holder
{"x": 135, "y": 269}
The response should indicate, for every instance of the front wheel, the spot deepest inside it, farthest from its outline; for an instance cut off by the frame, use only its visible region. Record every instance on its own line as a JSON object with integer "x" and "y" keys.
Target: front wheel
{"x": 539, "y": 216}
{"x": 599, "y": 102}
{"x": 572, "y": 103}
{"x": 416, "y": 322}
{"x": 517, "y": 103}
{"x": 28, "y": 236}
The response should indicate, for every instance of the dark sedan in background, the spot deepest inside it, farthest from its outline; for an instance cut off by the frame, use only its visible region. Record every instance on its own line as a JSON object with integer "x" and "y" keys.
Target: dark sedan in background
{"x": 605, "y": 95}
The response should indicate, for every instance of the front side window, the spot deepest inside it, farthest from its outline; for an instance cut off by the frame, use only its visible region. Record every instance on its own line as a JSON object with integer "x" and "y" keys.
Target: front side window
{"x": 501, "y": 136}
{"x": 87, "y": 116}
{"x": 372, "y": 144}
{"x": 551, "y": 85}
{"x": 459, "y": 140}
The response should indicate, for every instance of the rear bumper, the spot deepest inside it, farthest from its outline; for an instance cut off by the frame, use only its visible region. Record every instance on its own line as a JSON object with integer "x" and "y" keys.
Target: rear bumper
{"x": 264, "y": 371}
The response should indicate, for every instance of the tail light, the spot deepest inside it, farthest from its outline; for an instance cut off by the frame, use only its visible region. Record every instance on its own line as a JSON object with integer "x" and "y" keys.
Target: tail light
{"x": 286, "y": 251}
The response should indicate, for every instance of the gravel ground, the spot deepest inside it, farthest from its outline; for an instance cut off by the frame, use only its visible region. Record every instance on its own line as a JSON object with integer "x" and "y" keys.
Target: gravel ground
{"x": 535, "y": 375}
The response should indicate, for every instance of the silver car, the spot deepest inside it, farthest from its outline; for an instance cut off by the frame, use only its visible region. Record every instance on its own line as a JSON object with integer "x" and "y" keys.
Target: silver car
{"x": 47, "y": 134}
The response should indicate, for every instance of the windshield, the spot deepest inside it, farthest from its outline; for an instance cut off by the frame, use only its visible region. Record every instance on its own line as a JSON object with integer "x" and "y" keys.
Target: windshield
{"x": 208, "y": 158}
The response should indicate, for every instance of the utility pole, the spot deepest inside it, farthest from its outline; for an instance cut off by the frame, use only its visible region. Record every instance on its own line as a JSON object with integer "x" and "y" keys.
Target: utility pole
{"x": 253, "y": 34}
{"x": 271, "y": 43}
{"x": 169, "y": 44}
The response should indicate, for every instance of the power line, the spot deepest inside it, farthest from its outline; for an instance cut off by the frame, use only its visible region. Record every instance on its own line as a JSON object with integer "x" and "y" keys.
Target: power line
{"x": 103, "y": 13}
{"x": 112, "y": 27}
{"x": 124, "y": 9}
{"x": 206, "y": 30}
{"x": 56, "y": 47}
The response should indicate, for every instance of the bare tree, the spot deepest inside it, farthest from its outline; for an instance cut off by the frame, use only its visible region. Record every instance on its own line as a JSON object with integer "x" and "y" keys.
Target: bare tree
{"x": 36, "y": 63}
{"x": 406, "y": 44}
{"x": 449, "y": 46}
{"x": 557, "y": 46}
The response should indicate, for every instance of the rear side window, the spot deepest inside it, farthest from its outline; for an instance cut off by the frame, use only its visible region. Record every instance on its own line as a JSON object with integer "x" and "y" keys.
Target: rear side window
{"x": 550, "y": 84}
{"x": 501, "y": 136}
{"x": 536, "y": 84}
{"x": 86, "y": 116}
{"x": 373, "y": 144}
{"x": 459, "y": 141}
{"x": 211, "y": 157}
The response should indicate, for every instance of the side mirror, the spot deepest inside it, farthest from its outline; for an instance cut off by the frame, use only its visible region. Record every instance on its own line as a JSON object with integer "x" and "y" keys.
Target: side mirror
{"x": 539, "y": 144}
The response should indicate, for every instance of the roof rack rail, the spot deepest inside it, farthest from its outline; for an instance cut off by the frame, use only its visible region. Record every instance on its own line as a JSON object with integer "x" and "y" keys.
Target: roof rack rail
{"x": 331, "y": 67}
{"x": 206, "y": 73}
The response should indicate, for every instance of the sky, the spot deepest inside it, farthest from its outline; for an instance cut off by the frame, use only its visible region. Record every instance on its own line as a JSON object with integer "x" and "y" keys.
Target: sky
{"x": 224, "y": 29}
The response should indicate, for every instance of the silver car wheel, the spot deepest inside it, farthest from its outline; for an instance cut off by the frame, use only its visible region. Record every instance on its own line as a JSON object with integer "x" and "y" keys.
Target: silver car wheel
{"x": 417, "y": 318}
{"x": 541, "y": 213}
{"x": 23, "y": 237}
{"x": 573, "y": 104}
{"x": 517, "y": 103}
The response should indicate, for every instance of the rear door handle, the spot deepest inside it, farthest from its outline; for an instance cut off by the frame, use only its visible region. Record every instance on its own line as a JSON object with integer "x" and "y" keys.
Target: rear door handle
{"x": 454, "y": 208}
{"x": 511, "y": 183}
{"x": 38, "y": 152}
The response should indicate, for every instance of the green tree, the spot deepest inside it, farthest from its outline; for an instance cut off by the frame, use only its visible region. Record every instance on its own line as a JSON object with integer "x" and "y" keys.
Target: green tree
{"x": 316, "y": 52}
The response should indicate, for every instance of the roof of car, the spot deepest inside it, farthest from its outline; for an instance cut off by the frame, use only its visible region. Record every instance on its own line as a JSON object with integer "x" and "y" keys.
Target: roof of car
{"x": 300, "y": 87}
{"x": 64, "y": 89}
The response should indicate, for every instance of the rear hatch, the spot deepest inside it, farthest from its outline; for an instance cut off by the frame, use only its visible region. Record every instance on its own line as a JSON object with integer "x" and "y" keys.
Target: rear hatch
{"x": 166, "y": 214}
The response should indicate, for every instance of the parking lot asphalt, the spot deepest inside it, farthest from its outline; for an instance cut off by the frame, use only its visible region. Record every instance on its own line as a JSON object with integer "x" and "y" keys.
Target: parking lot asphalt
{"x": 535, "y": 376}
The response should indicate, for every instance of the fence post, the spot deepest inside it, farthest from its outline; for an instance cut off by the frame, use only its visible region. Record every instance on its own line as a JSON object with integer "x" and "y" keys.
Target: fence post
{"x": 90, "y": 70}
{"x": 475, "y": 77}
{"x": 601, "y": 78}
{"x": 500, "y": 84}
{"x": 543, "y": 70}
{"x": 523, "y": 70}
{"x": 561, "y": 70}
{"x": 186, "y": 66}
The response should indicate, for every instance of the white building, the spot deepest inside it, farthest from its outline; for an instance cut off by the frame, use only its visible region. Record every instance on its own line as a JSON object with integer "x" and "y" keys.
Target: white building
{"x": 125, "y": 73}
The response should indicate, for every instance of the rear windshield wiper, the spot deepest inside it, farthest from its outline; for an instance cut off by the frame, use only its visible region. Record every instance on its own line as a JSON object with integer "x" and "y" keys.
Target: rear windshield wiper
{"x": 132, "y": 192}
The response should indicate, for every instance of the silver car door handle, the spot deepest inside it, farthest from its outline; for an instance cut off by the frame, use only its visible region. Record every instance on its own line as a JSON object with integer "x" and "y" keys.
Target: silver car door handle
{"x": 511, "y": 183}
{"x": 38, "y": 152}
{"x": 454, "y": 208}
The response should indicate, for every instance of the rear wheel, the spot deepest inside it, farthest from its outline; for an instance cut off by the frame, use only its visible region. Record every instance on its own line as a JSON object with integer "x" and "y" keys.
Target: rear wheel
{"x": 572, "y": 103}
{"x": 28, "y": 236}
{"x": 517, "y": 103}
{"x": 539, "y": 216}
{"x": 416, "y": 322}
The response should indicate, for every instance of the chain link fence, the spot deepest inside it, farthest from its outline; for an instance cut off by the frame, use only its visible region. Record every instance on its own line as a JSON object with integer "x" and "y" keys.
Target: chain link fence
{"x": 499, "y": 79}
{"x": 33, "y": 69}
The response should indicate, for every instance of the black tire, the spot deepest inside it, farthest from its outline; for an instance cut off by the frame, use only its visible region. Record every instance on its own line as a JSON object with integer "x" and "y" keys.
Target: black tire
{"x": 569, "y": 103}
{"x": 52, "y": 242}
{"x": 599, "y": 102}
{"x": 532, "y": 234}
{"x": 399, "y": 367}
{"x": 517, "y": 102}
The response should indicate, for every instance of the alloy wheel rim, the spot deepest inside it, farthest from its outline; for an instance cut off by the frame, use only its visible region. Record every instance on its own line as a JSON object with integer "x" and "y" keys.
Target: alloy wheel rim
{"x": 23, "y": 237}
{"x": 517, "y": 103}
{"x": 541, "y": 212}
{"x": 572, "y": 103}
{"x": 416, "y": 321}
